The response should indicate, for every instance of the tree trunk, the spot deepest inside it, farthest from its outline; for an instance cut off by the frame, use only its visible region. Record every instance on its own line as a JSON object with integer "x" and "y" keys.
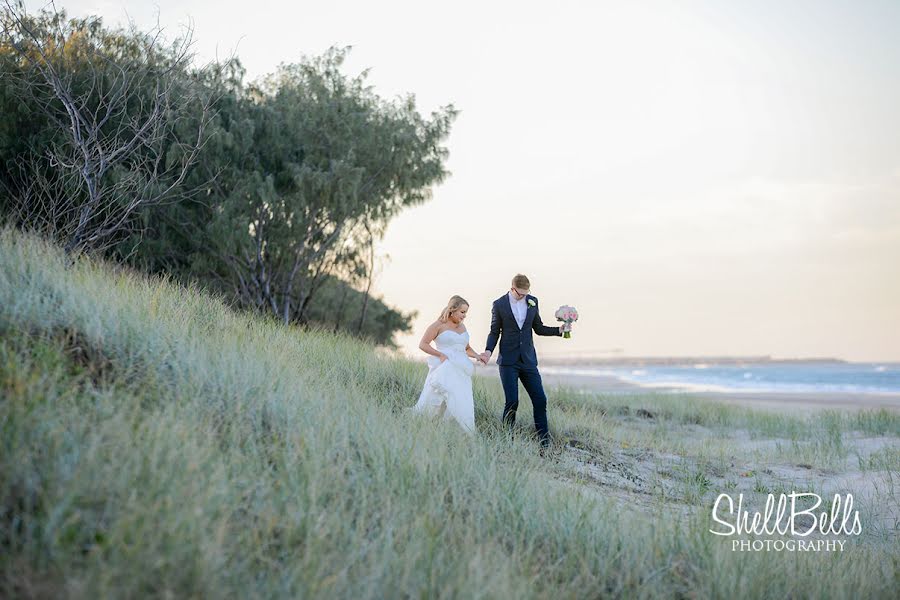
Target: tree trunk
{"x": 340, "y": 310}
{"x": 362, "y": 314}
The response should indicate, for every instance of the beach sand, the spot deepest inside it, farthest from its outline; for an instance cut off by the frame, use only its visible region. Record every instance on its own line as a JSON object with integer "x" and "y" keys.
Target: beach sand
{"x": 646, "y": 460}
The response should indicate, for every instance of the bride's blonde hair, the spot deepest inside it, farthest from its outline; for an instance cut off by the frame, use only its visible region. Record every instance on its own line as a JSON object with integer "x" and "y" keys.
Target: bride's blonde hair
{"x": 454, "y": 304}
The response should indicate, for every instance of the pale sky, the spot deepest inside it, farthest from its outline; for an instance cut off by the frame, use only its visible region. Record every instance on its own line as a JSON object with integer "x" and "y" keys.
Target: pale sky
{"x": 697, "y": 178}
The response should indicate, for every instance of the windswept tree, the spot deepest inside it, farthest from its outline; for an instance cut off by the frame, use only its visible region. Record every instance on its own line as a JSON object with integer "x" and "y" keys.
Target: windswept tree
{"x": 128, "y": 120}
{"x": 333, "y": 162}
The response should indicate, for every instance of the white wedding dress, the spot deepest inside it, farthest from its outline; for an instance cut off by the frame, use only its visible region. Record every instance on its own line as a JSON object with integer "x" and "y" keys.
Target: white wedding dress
{"x": 448, "y": 386}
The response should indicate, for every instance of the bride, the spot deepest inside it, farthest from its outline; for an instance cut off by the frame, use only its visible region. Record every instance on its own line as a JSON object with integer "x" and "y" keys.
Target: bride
{"x": 448, "y": 387}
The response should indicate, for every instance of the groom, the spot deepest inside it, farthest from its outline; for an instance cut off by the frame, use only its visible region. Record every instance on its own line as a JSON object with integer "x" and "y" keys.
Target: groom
{"x": 514, "y": 316}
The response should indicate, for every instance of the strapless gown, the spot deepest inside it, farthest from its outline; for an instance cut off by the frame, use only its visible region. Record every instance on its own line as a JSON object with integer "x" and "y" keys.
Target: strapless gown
{"x": 448, "y": 386}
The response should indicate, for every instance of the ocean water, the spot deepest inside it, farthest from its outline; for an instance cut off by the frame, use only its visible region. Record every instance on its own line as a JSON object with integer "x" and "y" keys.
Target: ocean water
{"x": 872, "y": 378}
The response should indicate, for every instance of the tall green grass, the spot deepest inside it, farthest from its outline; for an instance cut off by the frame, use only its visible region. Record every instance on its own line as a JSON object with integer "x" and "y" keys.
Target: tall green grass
{"x": 156, "y": 443}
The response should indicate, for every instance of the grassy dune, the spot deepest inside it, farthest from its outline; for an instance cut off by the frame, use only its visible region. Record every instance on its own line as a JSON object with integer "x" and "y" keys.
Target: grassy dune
{"x": 156, "y": 443}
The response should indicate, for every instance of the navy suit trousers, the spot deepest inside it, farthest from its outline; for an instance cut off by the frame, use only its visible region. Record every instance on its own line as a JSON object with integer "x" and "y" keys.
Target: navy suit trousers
{"x": 510, "y": 375}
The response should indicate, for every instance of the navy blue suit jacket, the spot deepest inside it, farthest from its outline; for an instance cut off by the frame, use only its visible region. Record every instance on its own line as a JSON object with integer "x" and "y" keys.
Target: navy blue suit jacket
{"x": 516, "y": 343}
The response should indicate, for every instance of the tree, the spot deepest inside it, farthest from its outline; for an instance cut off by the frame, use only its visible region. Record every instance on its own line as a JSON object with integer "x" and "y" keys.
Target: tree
{"x": 336, "y": 299}
{"x": 119, "y": 101}
{"x": 332, "y": 163}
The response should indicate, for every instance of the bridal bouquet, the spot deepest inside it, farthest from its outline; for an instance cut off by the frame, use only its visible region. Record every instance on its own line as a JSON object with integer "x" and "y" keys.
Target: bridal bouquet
{"x": 568, "y": 315}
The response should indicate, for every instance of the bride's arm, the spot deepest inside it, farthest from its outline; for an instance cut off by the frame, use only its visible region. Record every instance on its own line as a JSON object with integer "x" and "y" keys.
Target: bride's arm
{"x": 472, "y": 354}
{"x": 428, "y": 337}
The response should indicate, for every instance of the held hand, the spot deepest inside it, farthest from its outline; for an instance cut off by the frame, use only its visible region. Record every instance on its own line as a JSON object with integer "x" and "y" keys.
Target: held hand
{"x": 485, "y": 357}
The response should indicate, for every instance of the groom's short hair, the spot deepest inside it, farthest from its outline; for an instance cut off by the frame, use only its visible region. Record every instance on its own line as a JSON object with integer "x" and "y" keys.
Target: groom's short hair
{"x": 520, "y": 281}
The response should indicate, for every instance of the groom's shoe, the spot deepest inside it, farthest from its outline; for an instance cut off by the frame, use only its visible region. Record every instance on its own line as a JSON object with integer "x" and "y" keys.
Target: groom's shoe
{"x": 548, "y": 453}
{"x": 545, "y": 447}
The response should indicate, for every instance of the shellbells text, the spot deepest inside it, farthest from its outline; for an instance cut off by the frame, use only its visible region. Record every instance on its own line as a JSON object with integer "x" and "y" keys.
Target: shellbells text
{"x": 778, "y": 519}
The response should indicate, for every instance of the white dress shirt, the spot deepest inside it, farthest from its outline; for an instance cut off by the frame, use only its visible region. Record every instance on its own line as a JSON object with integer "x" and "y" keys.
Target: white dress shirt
{"x": 519, "y": 308}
